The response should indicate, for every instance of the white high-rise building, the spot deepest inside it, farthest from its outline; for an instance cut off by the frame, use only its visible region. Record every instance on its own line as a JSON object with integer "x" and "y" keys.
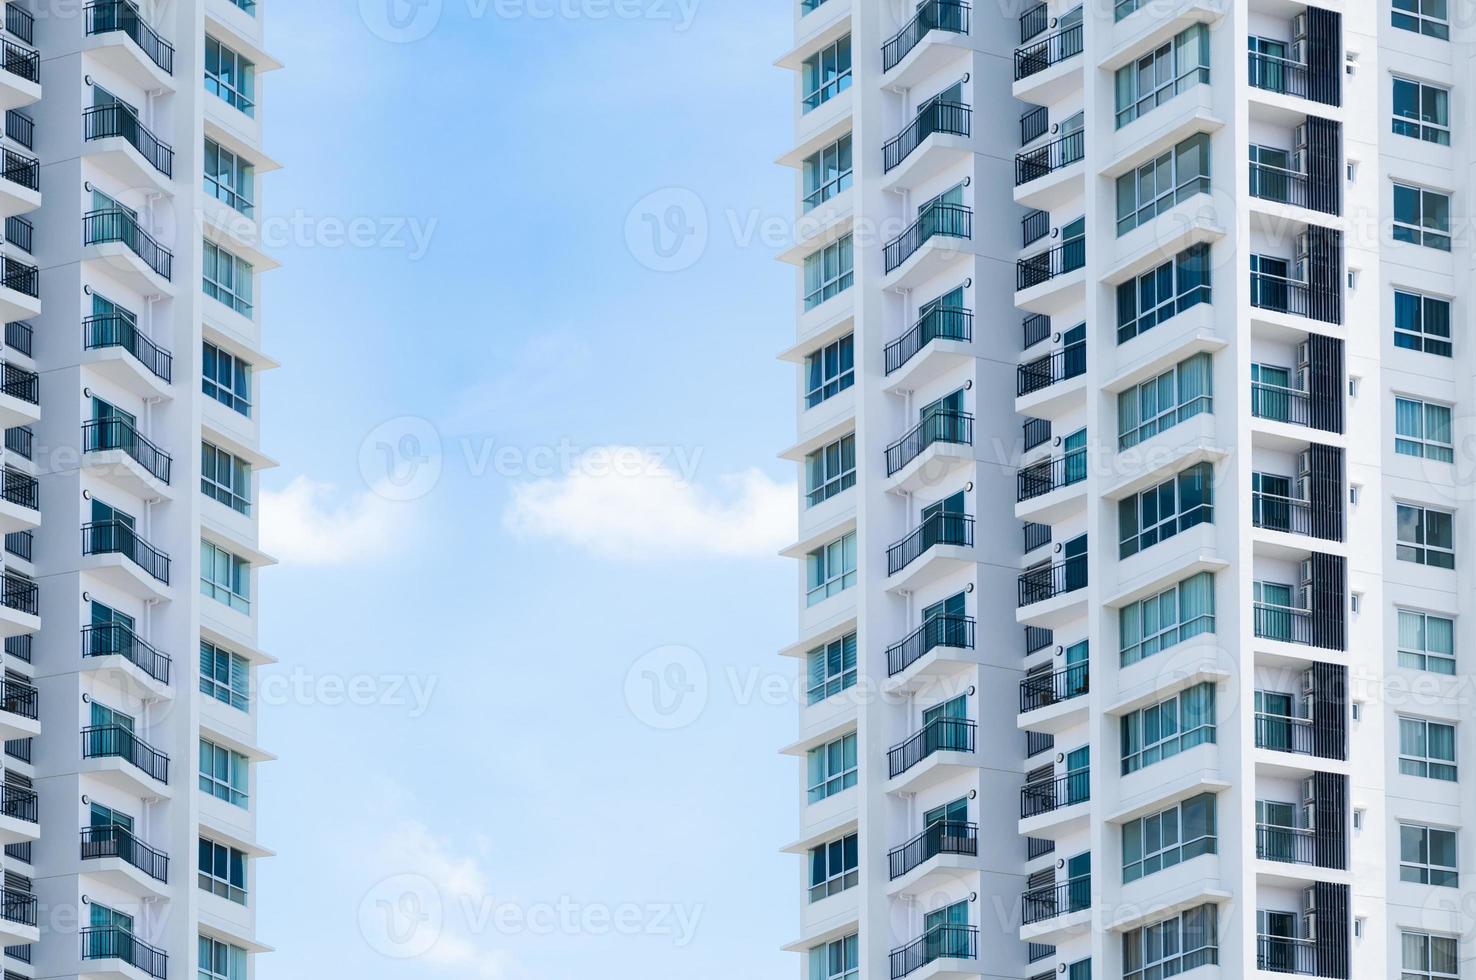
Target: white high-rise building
{"x": 129, "y": 398}
{"x": 1131, "y": 500}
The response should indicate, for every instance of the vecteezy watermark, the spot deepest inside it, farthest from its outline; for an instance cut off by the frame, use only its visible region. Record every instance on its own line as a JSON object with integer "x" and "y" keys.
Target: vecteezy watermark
{"x": 301, "y": 688}
{"x": 407, "y": 21}
{"x": 666, "y": 688}
{"x": 400, "y": 21}
{"x": 400, "y": 459}
{"x": 409, "y": 234}
{"x": 402, "y": 916}
{"x": 666, "y": 231}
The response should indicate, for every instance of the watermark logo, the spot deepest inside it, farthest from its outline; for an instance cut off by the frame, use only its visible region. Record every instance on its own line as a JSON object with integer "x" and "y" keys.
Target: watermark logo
{"x": 667, "y": 231}
{"x": 401, "y": 917}
{"x": 401, "y": 459}
{"x": 400, "y": 21}
{"x": 666, "y": 688}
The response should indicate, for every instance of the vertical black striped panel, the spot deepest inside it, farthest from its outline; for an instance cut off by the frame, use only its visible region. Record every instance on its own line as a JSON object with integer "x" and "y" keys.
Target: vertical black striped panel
{"x": 1325, "y": 56}
{"x": 1330, "y": 836}
{"x": 1330, "y": 711}
{"x": 1324, "y": 274}
{"x": 1333, "y": 930}
{"x": 1325, "y": 492}
{"x": 1329, "y": 600}
{"x": 1325, "y": 382}
{"x": 1324, "y": 165}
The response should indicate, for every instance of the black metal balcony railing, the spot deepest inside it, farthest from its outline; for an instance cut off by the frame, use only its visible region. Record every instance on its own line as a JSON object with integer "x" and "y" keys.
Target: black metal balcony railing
{"x": 1053, "y": 368}
{"x": 104, "y": 16}
{"x": 21, "y": 61}
{"x": 956, "y": 632}
{"x": 1276, "y": 512}
{"x": 1055, "y": 155}
{"x": 118, "y": 538}
{"x": 1052, "y": 49}
{"x": 1039, "y": 479}
{"x": 952, "y": 118}
{"x": 115, "y": 741}
{"x": 118, "y": 842}
{"x": 21, "y": 128}
{"x": 16, "y": 906}
{"x": 18, "y": 698}
{"x": 20, "y": 336}
{"x": 116, "y": 432}
{"x": 1283, "y": 295}
{"x": 19, "y": 276}
{"x": 1033, "y": 124}
{"x": 105, "y": 121}
{"x": 116, "y": 330}
{"x": 1292, "y": 845}
{"x": 20, "y": 22}
{"x": 1033, "y": 22}
{"x": 1047, "y": 689}
{"x": 1040, "y": 584}
{"x": 119, "y": 640}
{"x": 19, "y": 803}
{"x": 1036, "y": 536}
{"x": 938, "y": 735}
{"x": 19, "y": 489}
{"x": 1035, "y": 327}
{"x": 932, "y": 15}
{"x": 936, "y": 529}
{"x": 22, "y": 953}
{"x": 1279, "y": 185}
{"x": 943, "y": 941}
{"x": 1278, "y": 404}
{"x": 1288, "y": 624}
{"x": 937, "y": 219}
{"x": 1035, "y": 432}
{"x": 116, "y": 225}
{"x": 19, "y": 594}
{"x": 1050, "y": 795}
{"x": 1283, "y": 733}
{"x": 18, "y": 168}
{"x": 1033, "y": 227}
{"x": 1066, "y": 257}
{"x": 943, "y": 837}
{"x": 1037, "y": 638}
{"x": 19, "y": 383}
{"x": 20, "y": 440}
{"x": 19, "y": 646}
{"x": 939, "y": 323}
{"x": 115, "y": 943}
{"x": 956, "y": 428}
{"x": 1280, "y": 75}
{"x": 1041, "y": 904}
{"x": 21, "y": 233}
{"x": 1283, "y": 954}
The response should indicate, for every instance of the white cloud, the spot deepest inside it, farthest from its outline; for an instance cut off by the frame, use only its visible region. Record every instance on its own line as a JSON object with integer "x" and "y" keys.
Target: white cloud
{"x": 313, "y": 523}
{"x": 654, "y": 513}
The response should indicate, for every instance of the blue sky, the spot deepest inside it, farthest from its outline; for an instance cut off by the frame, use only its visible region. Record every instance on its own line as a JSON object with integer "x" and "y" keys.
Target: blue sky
{"x": 476, "y": 603}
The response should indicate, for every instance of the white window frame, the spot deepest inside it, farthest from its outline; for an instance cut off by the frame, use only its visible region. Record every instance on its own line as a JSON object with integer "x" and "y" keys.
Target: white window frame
{"x": 1421, "y": 546}
{"x": 231, "y": 294}
{"x": 1426, "y": 971}
{"x": 831, "y": 684}
{"x": 845, "y": 949}
{"x": 1420, "y": 20}
{"x": 1426, "y": 762}
{"x": 839, "y": 879}
{"x": 830, "y": 483}
{"x": 834, "y": 580}
{"x": 1425, "y": 127}
{"x": 1424, "y": 447}
{"x": 832, "y": 186}
{"x": 833, "y": 781}
{"x": 224, "y": 888}
{"x": 224, "y": 789}
{"x": 212, "y": 459}
{"x": 841, "y": 250}
{"x": 830, "y": 385}
{"x": 1424, "y": 339}
{"x": 237, "y": 668}
{"x": 235, "y": 594}
{"x": 1424, "y": 871}
{"x": 1419, "y": 659}
{"x": 1426, "y": 235}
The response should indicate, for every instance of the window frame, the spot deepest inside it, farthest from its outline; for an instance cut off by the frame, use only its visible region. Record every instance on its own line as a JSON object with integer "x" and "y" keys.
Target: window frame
{"x": 831, "y": 780}
{"x": 1417, "y": 20}
{"x": 842, "y": 650}
{"x": 1426, "y": 970}
{"x": 1134, "y": 725}
{"x": 235, "y": 87}
{"x": 1183, "y": 958}
{"x": 241, "y": 171}
{"x": 234, "y": 859}
{"x": 838, "y": 959}
{"x": 825, "y": 384}
{"x": 1418, "y": 550}
{"x": 1412, "y": 658}
{"x": 1183, "y": 292}
{"x": 823, "y": 87}
{"x": 1171, "y": 523}
{"x": 1137, "y": 105}
{"x": 214, "y": 258}
{"x": 239, "y": 371}
{"x": 219, "y": 678}
{"x": 831, "y": 582}
{"x": 1163, "y": 637}
{"x": 1421, "y": 870}
{"x": 846, "y": 850}
{"x": 212, "y": 460}
{"x": 842, "y": 252}
{"x": 225, "y": 787}
{"x": 1418, "y": 337}
{"x": 1423, "y": 128}
{"x": 1165, "y": 855}
{"x": 1424, "y": 765}
{"x": 828, "y": 187}
{"x": 824, "y": 484}
{"x": 212, "y": 951}
{"x": 1421, "y": 232}
{"x": 236, "y": 591}
{"x": 1179, "y": 188}
{"x": 1147, "y": 429}
{"x": 1424, "y": 445}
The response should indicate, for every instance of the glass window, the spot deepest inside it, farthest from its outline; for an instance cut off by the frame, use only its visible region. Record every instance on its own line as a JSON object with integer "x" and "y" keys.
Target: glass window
{"x": 228, "y": 178}
{"x": 1427, "y": 748}
{"x": 832, "y": 569}
{"x": 1422, "y": 429}
{"x": 1421, "y": 322}
{"x": 223, "y": 773}
{"x": 833, "y": 867}
{"x": 1164, "y": 401}
{"x": 1172, "y": 616}
{"x": 230, "y": 76}
{"x": 826, "y": 73}
{"x": 227, "y": 278}
{"x": 1427, "y": 856}
{"x": 1169, "y": 837}
{"x": 227, "y": 379}
{"x": 828, "y": 272}
{"x": 831, "y": 668}
{"x": 1173, "y": 946}
{"x": 1155, "y": 78}
{"x": 1422, "y": 217}
{"x": 223, "y": 871}
{"x": 1427, "y": 17}
{"x": 830, "y": 371}
{"x": 1159, "y": 294}
{"x": 225, "y": 478}
{"x": 1161, "y": 512}
{"x": 832, "y": 768}
{"x": 830, "y": 470}
{"x": 1427, "y": 957}
{"x": 225, "y": 577}
{"x": 827, "y": 172}
{"x": 1161, "y": 183}
{"x": 1425, "y": 536}
{"x": 221, "y": 961}
{"x": 1421, "y": 111}
{"x": 225, "y": 676}
{"x": 1163, "y": 730}
{"x": 1426, "y": 642}
{"x": 836, "y": 960}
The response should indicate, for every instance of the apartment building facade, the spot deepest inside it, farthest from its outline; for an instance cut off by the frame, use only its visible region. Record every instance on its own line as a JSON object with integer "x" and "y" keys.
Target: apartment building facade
{"x": 129, "y": 383}
{"x": 1130, "y": 615}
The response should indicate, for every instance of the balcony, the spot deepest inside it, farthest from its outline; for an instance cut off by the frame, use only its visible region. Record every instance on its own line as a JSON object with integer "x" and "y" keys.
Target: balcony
{"x": 1284, "y": 954}
{"x": 1051, "y": 901}
{"x": 117, "y": 742}
{"x": 1040, "y": 162}
{"x": 119, "y": 640}
{"x": 19, "y": 497}
{"x": 938, "y": 735}
{"x": 19, "y": 594}
{"x": 1298, "y": 845}
{"x": 1279, "y": 185}
{"x": 118, "y": 842}
{"x": 1053, "y": 49}
{"x": 1051, "y": 795}
{"x": 23, "y": 63}
{"x": 21, "y": 233}
{"x": 952, "y": 428}
{"x": 1290, "y": 515}
{"x": 118, "y": 538}
{"x": 114, "y": 943}
{"x": 17, "y": 907}
{"x": 1042, "y": 267}
{"x": 19, "y": 803}
{"x": 1282, "y": 76}
{"x": 1294, "y": 297}
{"x": 1051, "y": 369}
{"x": 107, "y": 16}
{"x": 939, "y": 323}
{"x": 122, "y": 228}
{"x": 937, "y": 116}
{"x": 944, "y": 837}
{"x": 117, "y": 121}
{"x": 114, "y": 331}
{"x": 932, "y": 15}
{"x": 937, "y": 529}
{"x": 19, "y": 699}
{"x": 20, "y": 289}
{"x": 950, "y": 632}
{"x": 117, "y": 434}
{"x": 1054, "y": 688}
{"x": 1298, "y": 736}
{"x": 1048, "y": 475}
{"x": 937, "y": 220}
{"x": 942, "y": 942}
{"x": 1034, "y": 432}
